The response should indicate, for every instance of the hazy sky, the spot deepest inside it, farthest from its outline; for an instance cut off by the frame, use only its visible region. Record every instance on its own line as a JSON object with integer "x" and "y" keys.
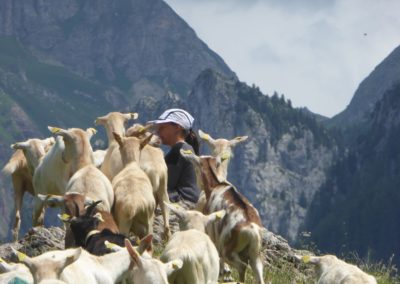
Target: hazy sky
{"x": 315, "y": 52}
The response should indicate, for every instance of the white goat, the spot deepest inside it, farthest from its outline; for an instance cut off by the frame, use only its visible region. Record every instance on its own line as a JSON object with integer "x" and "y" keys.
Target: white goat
{"x": 78, "y": 266}
{"x": 151, "y": 160}
{"x": 332, "y": 270}
{"x": 134, "y": 201}
{"x": 21, "y": 176}
{"x": 222, "y": 149}
{"x": 49, "y": 265}
{"x": 86, "y": 178}
{"x": 51, "y": 177}
{"x": 196, "y": 250}
{"x": 153, "y": 164}
{"x": 113, "y": 122}
{"x": 12, "y": 271}
{"x": 238, "y": 235}
{"x": 149, "y": 270}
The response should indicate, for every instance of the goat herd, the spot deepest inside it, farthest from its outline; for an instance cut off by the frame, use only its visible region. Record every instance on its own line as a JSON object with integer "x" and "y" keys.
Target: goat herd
{"x": 106, "y": 196}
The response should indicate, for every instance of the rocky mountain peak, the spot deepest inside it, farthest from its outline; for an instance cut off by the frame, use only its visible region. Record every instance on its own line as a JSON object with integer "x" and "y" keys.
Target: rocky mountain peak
{"x": 125, "y": 43}
{"x": 370, "y": 91}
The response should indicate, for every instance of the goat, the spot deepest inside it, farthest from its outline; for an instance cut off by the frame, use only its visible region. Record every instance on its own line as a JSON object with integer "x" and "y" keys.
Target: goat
{"x": 222, "y": 149}
{"x": 151, "y": 161}
{"x": 49, "y": 265}
{"x": 83, "y": 267}
{"x": 191, "y": 245}
{"x": 51, "y": 177}
{"x": 134, "y": 201}
{"x": 149, "y": 270}
{"x": 113, "y": 122}
{"x": 86, "y": 178}
{"x": 21, "y": 176}
{"x": 153, "y": 164}
{"x": 238, "y": 235}
{"x": 332, "y": 270}
{"x": 73, "y": 204}
{"x": 12, "y": 271}
{"x": 90, "y": 236}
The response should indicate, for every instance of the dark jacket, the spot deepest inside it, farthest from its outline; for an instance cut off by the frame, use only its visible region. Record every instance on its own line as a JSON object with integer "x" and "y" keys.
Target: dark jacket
{"x": 181, "y": 175}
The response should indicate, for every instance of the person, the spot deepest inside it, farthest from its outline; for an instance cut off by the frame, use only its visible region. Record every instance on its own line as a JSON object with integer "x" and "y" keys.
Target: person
{"x": 174, "y": 127}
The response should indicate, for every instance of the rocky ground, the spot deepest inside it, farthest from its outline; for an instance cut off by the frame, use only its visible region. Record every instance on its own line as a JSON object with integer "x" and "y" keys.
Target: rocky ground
{"x": 278, "y": 255}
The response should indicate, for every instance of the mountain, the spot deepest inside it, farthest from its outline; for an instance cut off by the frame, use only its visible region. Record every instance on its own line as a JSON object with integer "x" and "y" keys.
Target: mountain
{"x": 370, "y": 91}
{"x": 137, "y": 46}
{"x": 282, "y": 164}
{"x": 357, "y": 207}
{"x": 66, "y": 63}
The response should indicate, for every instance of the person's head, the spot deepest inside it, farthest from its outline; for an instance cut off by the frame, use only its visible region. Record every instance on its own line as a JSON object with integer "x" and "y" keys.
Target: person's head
{"x": 175, "y": 125}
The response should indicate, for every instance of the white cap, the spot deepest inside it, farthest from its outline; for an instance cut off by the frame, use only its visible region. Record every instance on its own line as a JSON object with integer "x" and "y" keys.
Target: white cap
{"x": 175, "y": 115}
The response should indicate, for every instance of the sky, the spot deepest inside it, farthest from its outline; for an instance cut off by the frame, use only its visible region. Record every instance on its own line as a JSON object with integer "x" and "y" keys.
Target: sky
{"x": 315, "y": 52}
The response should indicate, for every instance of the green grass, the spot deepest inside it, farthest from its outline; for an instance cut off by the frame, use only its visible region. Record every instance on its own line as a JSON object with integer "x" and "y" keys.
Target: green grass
{"x": 283, "y": 271}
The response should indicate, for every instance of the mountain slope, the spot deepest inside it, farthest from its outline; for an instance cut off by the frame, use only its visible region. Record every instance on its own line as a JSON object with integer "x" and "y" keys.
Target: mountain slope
{"x": 65, "y": 63}
{"x": 283, "y": 162}
{"x": 357, "y": 208}
{"x": 370, "y": 91}
{"x": 137, "y": 46}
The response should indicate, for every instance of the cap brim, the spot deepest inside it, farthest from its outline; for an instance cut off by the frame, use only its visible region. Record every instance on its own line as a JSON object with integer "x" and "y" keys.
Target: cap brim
{"x": 159, "y": 121}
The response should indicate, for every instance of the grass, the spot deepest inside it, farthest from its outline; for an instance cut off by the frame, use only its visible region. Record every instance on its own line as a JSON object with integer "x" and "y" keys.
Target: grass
{"x": 283, "y": 271}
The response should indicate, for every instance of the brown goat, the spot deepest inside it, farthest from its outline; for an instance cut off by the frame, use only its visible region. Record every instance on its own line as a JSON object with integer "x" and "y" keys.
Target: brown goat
{"x": 238, "y": 235}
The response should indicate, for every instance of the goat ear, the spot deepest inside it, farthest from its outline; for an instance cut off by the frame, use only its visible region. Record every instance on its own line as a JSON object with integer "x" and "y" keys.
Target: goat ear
{"x": 173, "y": 266}
{"x": 100, "y": 120}
{"x": 91, "y": 131}
{"x": 72, "y": 256}
{"x": 60, "y": 132}
{"x": 23, "y": 258}
{"x": 213, "y": 217}
{"x": 237, "y": 140}
{"x": 20, "y": 145}
{"x": 135, "y": 257}
{"x": 4, "y": 266}
{"x": 51, "y": 200}
{"x": 311, "y": 259}
{"x": 118, "y": 138}
{"x": 99, "y": 217}
{"x": 49, "y": 142}
{"x": 176, "y": 209}
{"x": 206, "y": 137}
{"x": 145, "y": 244}
{"x": 112, "y": 247}
{"x": 64, "y": 218}
{"x": 190, "y": 156}
{"x": 132, "y": 115}
{"x": 145, "y": 141}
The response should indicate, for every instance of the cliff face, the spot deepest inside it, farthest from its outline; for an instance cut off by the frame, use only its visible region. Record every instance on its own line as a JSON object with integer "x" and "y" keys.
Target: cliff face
{"x": 282, "y": 164}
